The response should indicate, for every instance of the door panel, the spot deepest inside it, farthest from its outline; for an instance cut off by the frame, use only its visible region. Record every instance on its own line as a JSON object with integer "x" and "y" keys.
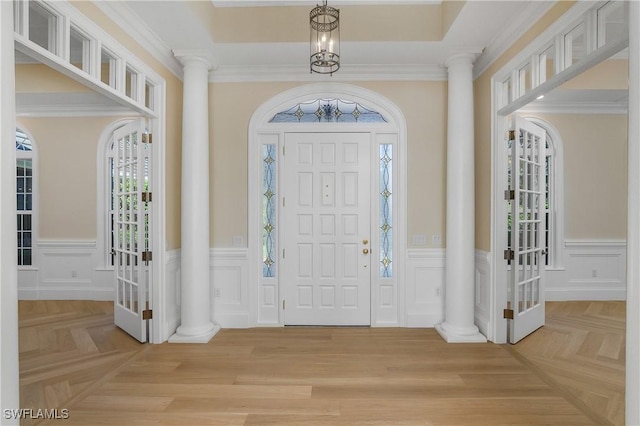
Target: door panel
{"x": 326, "y": 223}
{"x": 527, "y": 183}
{"x": 132, "y": 224}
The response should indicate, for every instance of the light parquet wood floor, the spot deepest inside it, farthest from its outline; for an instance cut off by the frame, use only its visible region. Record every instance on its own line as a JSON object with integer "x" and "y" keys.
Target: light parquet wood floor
{"x": 71, "y": 356}
{"x": 582, "y": 348}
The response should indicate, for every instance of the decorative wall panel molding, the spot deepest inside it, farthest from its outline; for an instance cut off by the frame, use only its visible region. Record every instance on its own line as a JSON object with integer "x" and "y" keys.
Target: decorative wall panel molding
{"x": 425, "y": 287}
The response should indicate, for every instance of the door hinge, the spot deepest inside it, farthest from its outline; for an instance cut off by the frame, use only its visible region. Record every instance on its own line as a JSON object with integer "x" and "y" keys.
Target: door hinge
{"x": 507, "y": 313}
{"x": 283, "y": 303}
{"x": 283, "y": 253}
{"x": 508, "y": 254}
{"x": 147, "y": 314}
{"x": 509, "y": 195}
{"x": 512, "y": 135}
{"x": 147, "y": 197}
{"x": 147, "y": 138}
{"x": 146, "y": 256}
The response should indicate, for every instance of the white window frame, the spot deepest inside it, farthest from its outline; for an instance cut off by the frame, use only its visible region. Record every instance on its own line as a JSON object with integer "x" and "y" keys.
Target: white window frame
{"x": 33, "y": 156}
{"x": 556, "y": 187}
{"x": 105, "y": 154}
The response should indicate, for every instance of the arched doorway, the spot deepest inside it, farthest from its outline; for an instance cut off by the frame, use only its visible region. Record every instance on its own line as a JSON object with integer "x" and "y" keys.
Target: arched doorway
{"x": 295, "y": 118}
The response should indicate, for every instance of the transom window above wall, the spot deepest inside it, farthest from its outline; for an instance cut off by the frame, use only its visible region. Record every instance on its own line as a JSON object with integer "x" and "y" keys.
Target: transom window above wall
{"x": 55, "y": 32}
{"x": 328, "y": 110}
{"x": 552, "y": 59}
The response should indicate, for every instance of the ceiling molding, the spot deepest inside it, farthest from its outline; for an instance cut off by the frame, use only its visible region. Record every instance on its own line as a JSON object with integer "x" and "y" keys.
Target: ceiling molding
{"x": 311, "y": 3}
{"x": 229, "y": 74}
{"x": 123, "y": 16}
{"x": 503, "y": 41}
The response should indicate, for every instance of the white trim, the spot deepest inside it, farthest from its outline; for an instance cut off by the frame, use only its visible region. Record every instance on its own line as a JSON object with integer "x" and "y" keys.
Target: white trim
{"x": 229, "y": 74}
{"x": 632, "y": 341}
{"x": 259, "y": 128}
{"x": 618, "y": 108}
{"x": 482, "y": 285}
{"x": 9, "y": 342}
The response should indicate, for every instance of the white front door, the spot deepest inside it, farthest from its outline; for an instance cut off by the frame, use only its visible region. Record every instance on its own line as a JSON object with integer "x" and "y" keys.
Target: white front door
{"x": 326, "y": 227}
{"x": 526, "y": 197}
{"x": 132, "y": 225}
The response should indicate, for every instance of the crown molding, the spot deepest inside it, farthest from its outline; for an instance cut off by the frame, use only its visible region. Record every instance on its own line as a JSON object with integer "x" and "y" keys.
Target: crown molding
{"x": 230, "y": 74}
{"x": 503, "y": 41}
{"x": 125, "y": 18}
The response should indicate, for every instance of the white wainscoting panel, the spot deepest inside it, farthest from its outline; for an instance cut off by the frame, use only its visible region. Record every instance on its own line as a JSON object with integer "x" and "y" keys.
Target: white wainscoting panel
{"x": 66, "y": 270}
{"x": 230, "y": 287}
{"x": 593, "y": 270}
{"x": 425, "y": 287}
{"x": 482, "y": 305}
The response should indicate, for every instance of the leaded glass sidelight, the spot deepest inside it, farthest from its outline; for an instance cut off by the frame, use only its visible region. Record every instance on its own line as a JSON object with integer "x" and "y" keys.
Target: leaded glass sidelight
{"x": 268, "y": 211}
{"x": 386, "y": 210}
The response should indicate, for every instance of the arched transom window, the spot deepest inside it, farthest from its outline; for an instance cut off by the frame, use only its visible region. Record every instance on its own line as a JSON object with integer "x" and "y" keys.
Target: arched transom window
{"x": 328, "y": 110}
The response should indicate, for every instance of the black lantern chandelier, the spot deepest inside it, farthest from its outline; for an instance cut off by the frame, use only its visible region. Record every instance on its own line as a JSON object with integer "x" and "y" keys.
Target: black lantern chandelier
{"x": 325, "y": 39}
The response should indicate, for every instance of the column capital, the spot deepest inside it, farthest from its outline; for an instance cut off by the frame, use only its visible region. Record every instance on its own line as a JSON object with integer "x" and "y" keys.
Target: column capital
{"x": 201, "y": 55}
{"x": 461, "y": 58}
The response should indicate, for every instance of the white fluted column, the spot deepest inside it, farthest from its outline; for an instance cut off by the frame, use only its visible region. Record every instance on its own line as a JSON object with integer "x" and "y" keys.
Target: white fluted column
{"x": 195, "y": 292}
{"x": 458, "y": 325}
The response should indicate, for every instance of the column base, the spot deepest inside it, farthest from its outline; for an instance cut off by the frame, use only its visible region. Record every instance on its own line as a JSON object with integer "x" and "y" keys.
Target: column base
{"x": 199, "y": 337}
{"x": 453, "y": 334}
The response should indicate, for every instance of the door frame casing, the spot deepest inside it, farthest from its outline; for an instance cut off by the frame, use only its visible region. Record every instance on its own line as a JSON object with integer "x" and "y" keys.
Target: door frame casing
{"x": 266, "y": 307}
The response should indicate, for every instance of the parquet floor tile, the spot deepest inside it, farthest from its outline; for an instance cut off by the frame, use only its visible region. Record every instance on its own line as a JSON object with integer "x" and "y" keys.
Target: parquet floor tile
{"x": 73, "y": 357}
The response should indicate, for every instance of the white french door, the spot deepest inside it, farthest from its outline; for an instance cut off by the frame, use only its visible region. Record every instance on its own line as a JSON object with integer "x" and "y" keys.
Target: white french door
{"x": 132, "y": 228}
{"x": 526, "y": 198}
{"x": 326, "y": 227}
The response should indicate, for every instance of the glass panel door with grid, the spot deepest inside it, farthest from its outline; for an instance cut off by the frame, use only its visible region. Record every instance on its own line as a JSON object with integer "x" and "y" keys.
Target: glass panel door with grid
{"x": 527, "y": 239}
{"x": 132, "y": 225}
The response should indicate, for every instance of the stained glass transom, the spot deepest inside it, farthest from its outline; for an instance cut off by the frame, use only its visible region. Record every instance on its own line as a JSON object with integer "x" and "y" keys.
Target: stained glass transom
{"x": 386, "y": 210}
{"x": 269, "y": 211}
{"x": 328, "y": 110}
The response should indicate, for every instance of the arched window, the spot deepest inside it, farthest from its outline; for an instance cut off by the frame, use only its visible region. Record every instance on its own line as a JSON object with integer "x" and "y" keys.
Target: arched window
{"x": 25, "y": 194}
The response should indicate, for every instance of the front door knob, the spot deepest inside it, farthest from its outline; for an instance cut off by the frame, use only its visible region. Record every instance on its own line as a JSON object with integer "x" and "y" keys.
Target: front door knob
{"x": 365, "y": 251}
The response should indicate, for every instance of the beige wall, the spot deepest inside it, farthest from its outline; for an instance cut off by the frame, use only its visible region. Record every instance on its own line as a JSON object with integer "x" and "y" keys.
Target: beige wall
{"x": 595, "y": 172}
{"x": 66, "y": 174}
{"x": 482, "y": 122}
{"x": 232, "y": 105}
{"x": 285, "y": 24}
{"x": 38, "y": 78}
